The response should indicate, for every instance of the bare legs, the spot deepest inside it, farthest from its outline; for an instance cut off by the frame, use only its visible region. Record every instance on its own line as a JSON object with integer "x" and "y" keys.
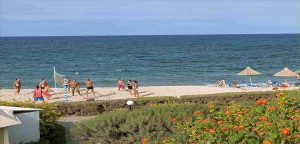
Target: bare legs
{"x": 136, "y": 93}
{"x": 87, "y": 92}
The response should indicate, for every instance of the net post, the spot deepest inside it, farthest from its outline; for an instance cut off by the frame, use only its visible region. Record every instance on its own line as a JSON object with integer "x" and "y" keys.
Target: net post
{"x": 65, "y": 88}
{"x": 54, "y": 77}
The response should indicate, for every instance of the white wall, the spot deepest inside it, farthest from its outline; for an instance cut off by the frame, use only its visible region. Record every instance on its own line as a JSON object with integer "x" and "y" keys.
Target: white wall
{"x": 4, "y": 136}
{"x": 28, "y": 131}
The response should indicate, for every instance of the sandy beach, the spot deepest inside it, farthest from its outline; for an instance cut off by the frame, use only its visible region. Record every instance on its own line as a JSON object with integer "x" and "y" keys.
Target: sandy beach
{"x": 112, "y": 92}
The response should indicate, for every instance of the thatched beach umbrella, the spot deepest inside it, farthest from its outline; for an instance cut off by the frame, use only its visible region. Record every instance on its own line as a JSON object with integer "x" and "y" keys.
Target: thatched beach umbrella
{"x": 249, "y": 71}
{"x": 298, "y": 71}
{"x": 286, "y": 73}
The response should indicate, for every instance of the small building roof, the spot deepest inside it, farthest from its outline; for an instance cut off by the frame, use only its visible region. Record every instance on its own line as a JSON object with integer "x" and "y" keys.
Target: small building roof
{"x": 19, "y": 109}
{"x": 7, "y": 118}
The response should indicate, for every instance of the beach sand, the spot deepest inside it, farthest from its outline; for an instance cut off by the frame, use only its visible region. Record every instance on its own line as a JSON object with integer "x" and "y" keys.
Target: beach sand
{"x": 113, "y": 93}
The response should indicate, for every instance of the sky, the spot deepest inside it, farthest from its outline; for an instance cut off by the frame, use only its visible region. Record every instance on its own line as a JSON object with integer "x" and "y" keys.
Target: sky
{"x": 147, "y": 17}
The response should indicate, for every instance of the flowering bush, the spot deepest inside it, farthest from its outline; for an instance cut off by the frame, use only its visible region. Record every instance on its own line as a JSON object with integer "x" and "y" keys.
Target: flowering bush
{"x": 269, "y": 121}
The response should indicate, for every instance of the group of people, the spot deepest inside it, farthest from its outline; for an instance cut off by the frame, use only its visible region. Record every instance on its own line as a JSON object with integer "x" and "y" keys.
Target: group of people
{"x": 130, "y": 87}
{"x": 43, "y": 88}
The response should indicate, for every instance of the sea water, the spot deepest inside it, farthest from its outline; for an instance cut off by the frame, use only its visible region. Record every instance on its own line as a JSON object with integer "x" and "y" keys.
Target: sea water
{"x": 151, "y": 60}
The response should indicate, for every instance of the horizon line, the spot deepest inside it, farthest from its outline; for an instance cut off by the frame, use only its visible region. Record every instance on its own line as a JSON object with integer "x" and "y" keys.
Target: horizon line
{"x": 151, "y": 35}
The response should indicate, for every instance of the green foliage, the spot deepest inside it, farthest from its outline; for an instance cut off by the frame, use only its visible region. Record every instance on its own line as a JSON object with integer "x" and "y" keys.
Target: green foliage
{"x": 99, "y": 107}
{"x": 224, "y": 98}
{"x": 123, "y": 126}
{"x": 271, "y": 120}
{"x": 48, "y": 119}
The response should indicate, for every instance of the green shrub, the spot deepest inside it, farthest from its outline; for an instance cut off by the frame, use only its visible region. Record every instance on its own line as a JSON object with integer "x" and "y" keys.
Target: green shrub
{"x": 123, "y": 126}
{"x": 271, "y": 120}
{"x": 99, "y": 107}
{"x": 225, "y": 98}
{"x": 48, "y": 119}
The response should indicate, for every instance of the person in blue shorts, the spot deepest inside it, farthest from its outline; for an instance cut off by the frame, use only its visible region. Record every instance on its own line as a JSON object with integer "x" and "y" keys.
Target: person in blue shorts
{"x": 37, "y": 94}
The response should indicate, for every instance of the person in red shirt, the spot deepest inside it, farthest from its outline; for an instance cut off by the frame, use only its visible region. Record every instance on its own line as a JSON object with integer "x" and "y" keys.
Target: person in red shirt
{"x": 37, "y": 94}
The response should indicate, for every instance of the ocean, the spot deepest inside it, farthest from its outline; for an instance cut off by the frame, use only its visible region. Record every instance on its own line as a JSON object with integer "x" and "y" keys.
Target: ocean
{"x": 151, "y": 60}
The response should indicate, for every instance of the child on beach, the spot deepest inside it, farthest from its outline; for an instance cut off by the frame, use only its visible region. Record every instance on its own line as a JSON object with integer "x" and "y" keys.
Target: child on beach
{"x": 37, "y": 94}
{"x": 17, "y": 85}
{"x": 120, "y": 84}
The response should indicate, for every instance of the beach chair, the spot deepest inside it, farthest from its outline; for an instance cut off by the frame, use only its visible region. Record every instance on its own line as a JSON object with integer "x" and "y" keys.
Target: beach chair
{"x": 221, "y": 83}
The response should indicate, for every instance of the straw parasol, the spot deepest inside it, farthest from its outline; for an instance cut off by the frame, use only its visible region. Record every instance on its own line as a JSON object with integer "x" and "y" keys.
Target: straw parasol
{"x": 298, "y": 71}
{"x": 286, "y": 73}
{"x": 249, "y": 71}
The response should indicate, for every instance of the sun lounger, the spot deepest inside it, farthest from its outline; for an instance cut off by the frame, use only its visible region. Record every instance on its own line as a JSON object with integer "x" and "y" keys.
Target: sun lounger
{"x": 221, "y": 83}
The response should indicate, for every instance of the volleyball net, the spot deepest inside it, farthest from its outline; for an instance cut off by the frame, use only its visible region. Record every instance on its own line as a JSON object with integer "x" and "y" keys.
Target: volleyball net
{"x": 60, "y": 80}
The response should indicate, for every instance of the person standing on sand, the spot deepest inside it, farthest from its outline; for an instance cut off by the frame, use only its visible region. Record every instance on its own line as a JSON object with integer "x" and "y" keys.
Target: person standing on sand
{"x": 17, "y": 85}
{"x": 75, "y": 87}
{"x": 42, "y": 84}
{"x": 46, "y": 91}
{"x": 120, "y": 84}
{"x": 68, "y": 83}
{"x": 129, "y": 86}
{"x": 89, "y": 86}
{"x": 37, "y": 94}
{"x": 136, "y": 89}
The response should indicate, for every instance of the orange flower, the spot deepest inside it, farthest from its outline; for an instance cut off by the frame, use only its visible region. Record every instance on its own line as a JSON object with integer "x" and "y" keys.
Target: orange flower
{"x": 236, "y": 127}
{"x": 288, "y": 137}
{"x": 241, "y": 127}
{"x": 281, "y": 102}
{"x": 192, "y": 135}
{"x": 278, "y": 94}
{"x": 268, "y": 124}
{"x": 261, "y": 102}
{"x": 220, "y": 122}
{"x": 164, "y": 138}
{"x": 271, "y": 108}
{"x": 239, "y": 113}
{"x": 197, "y": 113}
{"x": 237, "y": 119}
{"x": 266, "y": 142}
{"x": 144, "y": 140}
{"x": 285, "y": 131}
{"x": 212, "y": 131}
{"x": 263, "y": 118}
{"x": 226, "y": 129}
{"x": 296, "y": 124}
{"x": 174, "y": 119}
{"x": 211, "y": 106}
{"x": 185, "y": 119}
{"x": 261, "y": 133}
{"x": 297, "y": 136}
{"x": 202, "y": 121}
{"x": 227, "y": 107}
